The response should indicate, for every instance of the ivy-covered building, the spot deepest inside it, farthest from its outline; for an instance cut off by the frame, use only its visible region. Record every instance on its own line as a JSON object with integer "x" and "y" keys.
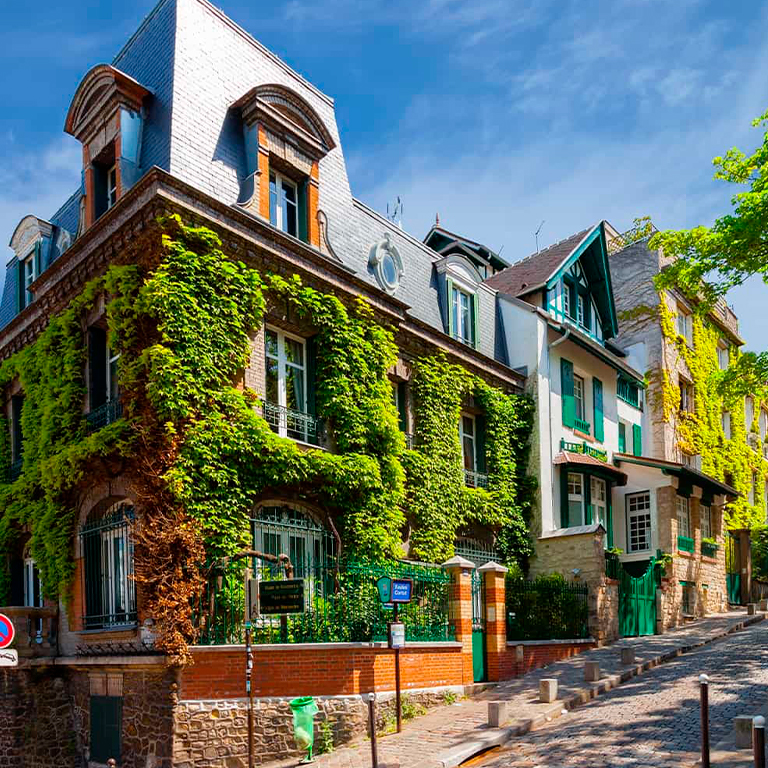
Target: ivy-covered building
{"x": 601, "y": 486}
{"x": 214, "y": 347}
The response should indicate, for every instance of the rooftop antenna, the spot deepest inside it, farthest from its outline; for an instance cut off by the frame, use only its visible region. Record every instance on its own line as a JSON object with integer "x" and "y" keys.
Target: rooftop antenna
{"x": 536, "y": 235}
{"x": 396, "y": 215}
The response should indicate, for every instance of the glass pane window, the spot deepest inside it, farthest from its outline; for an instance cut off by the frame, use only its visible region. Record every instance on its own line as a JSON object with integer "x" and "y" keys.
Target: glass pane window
{"x": 468, "y": 446}
{"x": 638, "y": 522}
{"x": 283, "y": 204}
{"x": 686, "y": 396}
{"x": 723, "y": 357}
{"x": 599, "y": 503}
{"x": 581, "y": 313}
{"x": 286, "y": 384}
{"x": 726, "y": 424}
{"x": 113, "y": 389}
{"x": 685, "y": 325}
{"x": 462, "y": 315}
{"x": 30, "y": 275}
{"x": 578, "y": 395}
{"x": 567, "y": 299}
{"x": 683, "y": 517}
{"x": 111, "y": 186}
{"x": 706, "y": 521}
{"x": 33, "y": 596}
{"x": 575, "y": 499}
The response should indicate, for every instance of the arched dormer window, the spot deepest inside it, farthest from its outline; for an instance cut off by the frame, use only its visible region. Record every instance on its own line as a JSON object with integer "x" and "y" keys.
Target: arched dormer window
{"x": 107, "y": 116}
{"x": 459, "y": 283}
{"x": 285, "y": 139}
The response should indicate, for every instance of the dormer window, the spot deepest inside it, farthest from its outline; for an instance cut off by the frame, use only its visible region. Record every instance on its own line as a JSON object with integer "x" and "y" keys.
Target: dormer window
{"x": 461, "y": 314}
{"x": 30, "y": 275}
{"x": 283, "y": 204}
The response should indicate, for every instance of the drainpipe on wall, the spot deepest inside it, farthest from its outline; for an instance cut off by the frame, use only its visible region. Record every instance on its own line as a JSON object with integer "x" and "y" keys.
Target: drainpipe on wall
{"x": 550, "y": 347}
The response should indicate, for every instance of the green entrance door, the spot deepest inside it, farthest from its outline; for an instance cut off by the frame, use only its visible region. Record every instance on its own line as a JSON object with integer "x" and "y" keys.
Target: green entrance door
{"x": 479, "y": 669}
{"x": 733, "y": 569}
{"x": 637, "y": 602}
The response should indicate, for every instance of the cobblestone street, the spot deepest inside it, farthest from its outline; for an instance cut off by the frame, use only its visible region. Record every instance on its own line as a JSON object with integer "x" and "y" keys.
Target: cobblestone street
{"x": 653, "y": 720}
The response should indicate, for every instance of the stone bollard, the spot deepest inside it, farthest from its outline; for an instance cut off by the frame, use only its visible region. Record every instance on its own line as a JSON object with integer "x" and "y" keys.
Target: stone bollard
{"x": 763, "y": 605}
{"x": 751, "y": 609}
{"x": 592, "y": 671}
{"x": 547, "y": 690}
{"x": 742, "y": 731}
{"x": 627, "y": 655}
{"x": 519, "y": 651}
{"x": 497, "y": 713}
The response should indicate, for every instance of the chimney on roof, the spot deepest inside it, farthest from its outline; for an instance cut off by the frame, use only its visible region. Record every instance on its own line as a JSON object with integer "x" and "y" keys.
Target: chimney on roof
{"x": 437, "y": 219}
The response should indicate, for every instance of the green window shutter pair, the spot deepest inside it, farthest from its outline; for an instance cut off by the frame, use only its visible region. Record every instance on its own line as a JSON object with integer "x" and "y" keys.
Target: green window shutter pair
{"x": 622, "y": 437}
{"x": 566, "y": 387}
{"x": 449, "y": 309}
{"x": 106, "y": 727}
{"x": 597, "y": 396}
{"x": 97, "y": 367}
{"x": 637, "y": 440}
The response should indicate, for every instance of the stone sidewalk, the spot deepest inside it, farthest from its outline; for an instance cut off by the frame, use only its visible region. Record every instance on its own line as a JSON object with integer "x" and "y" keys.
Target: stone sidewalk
{"x": 447, "y": 736}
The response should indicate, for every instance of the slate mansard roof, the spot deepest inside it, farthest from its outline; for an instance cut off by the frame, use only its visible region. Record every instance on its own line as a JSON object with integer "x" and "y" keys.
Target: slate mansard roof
{"x": 197, "y": 64}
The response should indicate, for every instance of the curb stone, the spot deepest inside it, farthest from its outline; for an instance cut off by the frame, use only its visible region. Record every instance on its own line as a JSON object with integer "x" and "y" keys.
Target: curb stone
{"x": 501, "y": 736}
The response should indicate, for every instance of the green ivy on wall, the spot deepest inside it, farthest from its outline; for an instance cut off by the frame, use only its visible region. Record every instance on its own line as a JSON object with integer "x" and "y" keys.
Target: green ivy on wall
{"x": 701, "y": 432}
{"x": 202, "y": 455}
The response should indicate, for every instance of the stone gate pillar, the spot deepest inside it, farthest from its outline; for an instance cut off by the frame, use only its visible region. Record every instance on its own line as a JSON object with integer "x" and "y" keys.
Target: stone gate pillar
{"x": 460, "y": 610}
{"x": 494, "y": 585}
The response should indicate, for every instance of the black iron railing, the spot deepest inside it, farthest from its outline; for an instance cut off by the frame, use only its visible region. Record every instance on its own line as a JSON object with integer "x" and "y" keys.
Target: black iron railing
{"x": 294, "y": 424}
{"x": 548, "y": 608}
{"x": 104, "y": 415}
{"x": 475, "y": 479}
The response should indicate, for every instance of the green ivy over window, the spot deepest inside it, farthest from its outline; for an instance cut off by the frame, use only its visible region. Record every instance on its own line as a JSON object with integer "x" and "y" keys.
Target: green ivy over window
{"x": 201, "y": 453}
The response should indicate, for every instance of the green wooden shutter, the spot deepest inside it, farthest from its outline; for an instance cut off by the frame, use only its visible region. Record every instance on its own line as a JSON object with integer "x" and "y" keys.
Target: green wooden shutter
{"x": 587, "y": 491}
{"x": 106, "y": 727}
{"x": 637, "y": 440}
{"x": 564, "y": 521}
{"x": 302, "y": 211}
{"x": 311, "y": 351}
{"x": 449, "y": 309}
{"x": 401, "y": 409}
{"x": 566, "y": 386}
{"x": 597, "y": 397}
{"x": 475, "y": 321}
{"x": 622, "y": 437}
{"x": 480, "y": 442}
{"x": 609, "y": 515}
{"x": 97, "y": 367}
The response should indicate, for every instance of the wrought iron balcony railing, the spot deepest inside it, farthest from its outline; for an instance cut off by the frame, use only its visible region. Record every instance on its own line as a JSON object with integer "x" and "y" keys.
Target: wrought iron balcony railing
{"x": 294, "y": 424}
{"x": 104, "y": 415}
{"x": 475, "y": 479}
{"x": 585, "y": 448}
{"x": 582, "y": 426}
{"x": 408, "y": 440}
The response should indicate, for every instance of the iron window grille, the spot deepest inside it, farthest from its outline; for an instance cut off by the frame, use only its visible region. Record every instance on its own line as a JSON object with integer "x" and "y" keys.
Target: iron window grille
{"x": 294, "y": 424}
{"x": 104, "y": 415}
{"x": 108, "y": 585}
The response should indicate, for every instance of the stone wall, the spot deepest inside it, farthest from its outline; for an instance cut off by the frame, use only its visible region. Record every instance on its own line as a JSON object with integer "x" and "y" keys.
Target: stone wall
{"x": 36, "y": 726}
{"x": 561, "y": 554}
{"x": 604, "y": 611}
{"x": 214, "y": 734}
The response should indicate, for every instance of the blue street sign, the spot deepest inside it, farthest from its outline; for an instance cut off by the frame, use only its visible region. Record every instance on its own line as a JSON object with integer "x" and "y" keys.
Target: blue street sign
{"x": 402, "y": 590}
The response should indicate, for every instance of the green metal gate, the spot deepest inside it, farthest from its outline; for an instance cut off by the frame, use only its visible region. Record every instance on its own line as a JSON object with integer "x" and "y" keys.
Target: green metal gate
{"x": 637, "y": 602}
{"x": 733, "y": 569}
{"x": 479, "y": 669}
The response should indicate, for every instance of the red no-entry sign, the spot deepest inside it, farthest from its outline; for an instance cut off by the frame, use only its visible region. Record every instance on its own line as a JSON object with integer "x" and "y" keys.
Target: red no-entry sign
{"x": 7, "y": 631}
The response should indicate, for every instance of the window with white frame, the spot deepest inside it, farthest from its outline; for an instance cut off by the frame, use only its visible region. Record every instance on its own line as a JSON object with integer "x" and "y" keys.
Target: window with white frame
{"x": 683, "y": 517}
{"x": 638, "y": 521}
{"x": 599, "y": 500}
{"x": 111, "y": 186}
{"x": 686, "y": 396}
{"x": 581, "y": 310}
{"x": 575, "y": 499}
{"x": 286, "y": 383}
{"x": 113, "y": 388}
{"x": 567, "y": 299}
{"x": 723, "y": 357}
{"x": 33, "y": 593}
{"x": 685, "y": 325}
{"x": 468, "y": 435}
{"x": 705, "y": 513}
{"x": 461, "y": 307}
{"x": 30, "y": 275}
{"x": 725, "y": 422}
{"x": 283, "y": 204}
{"x": 578, "y": 396}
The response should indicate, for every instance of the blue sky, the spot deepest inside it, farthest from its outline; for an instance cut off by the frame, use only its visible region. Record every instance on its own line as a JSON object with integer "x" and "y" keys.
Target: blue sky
{"x": 497, "y": 114}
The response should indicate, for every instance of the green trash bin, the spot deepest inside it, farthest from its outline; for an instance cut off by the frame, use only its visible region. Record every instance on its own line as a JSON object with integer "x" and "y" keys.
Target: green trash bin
{"x": 304, "y": 711}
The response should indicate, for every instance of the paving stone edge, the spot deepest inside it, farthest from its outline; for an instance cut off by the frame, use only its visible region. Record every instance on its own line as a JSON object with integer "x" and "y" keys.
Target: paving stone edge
{"x": 500, "y": 736}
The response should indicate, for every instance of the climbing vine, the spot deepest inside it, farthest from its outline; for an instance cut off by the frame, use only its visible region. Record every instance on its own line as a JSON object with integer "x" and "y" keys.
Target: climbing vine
{"x": 700, "y": 432}
{"x": 183, "y": 318}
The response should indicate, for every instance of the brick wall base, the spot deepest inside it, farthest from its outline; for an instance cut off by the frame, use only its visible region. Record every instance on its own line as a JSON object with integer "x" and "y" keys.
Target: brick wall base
{"x": 536, "y": 654}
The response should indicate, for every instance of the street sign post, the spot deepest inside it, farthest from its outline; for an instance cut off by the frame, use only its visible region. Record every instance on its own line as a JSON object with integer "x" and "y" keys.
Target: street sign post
{"x": 9, "y": 658}
{"x": 7, "y": 631}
